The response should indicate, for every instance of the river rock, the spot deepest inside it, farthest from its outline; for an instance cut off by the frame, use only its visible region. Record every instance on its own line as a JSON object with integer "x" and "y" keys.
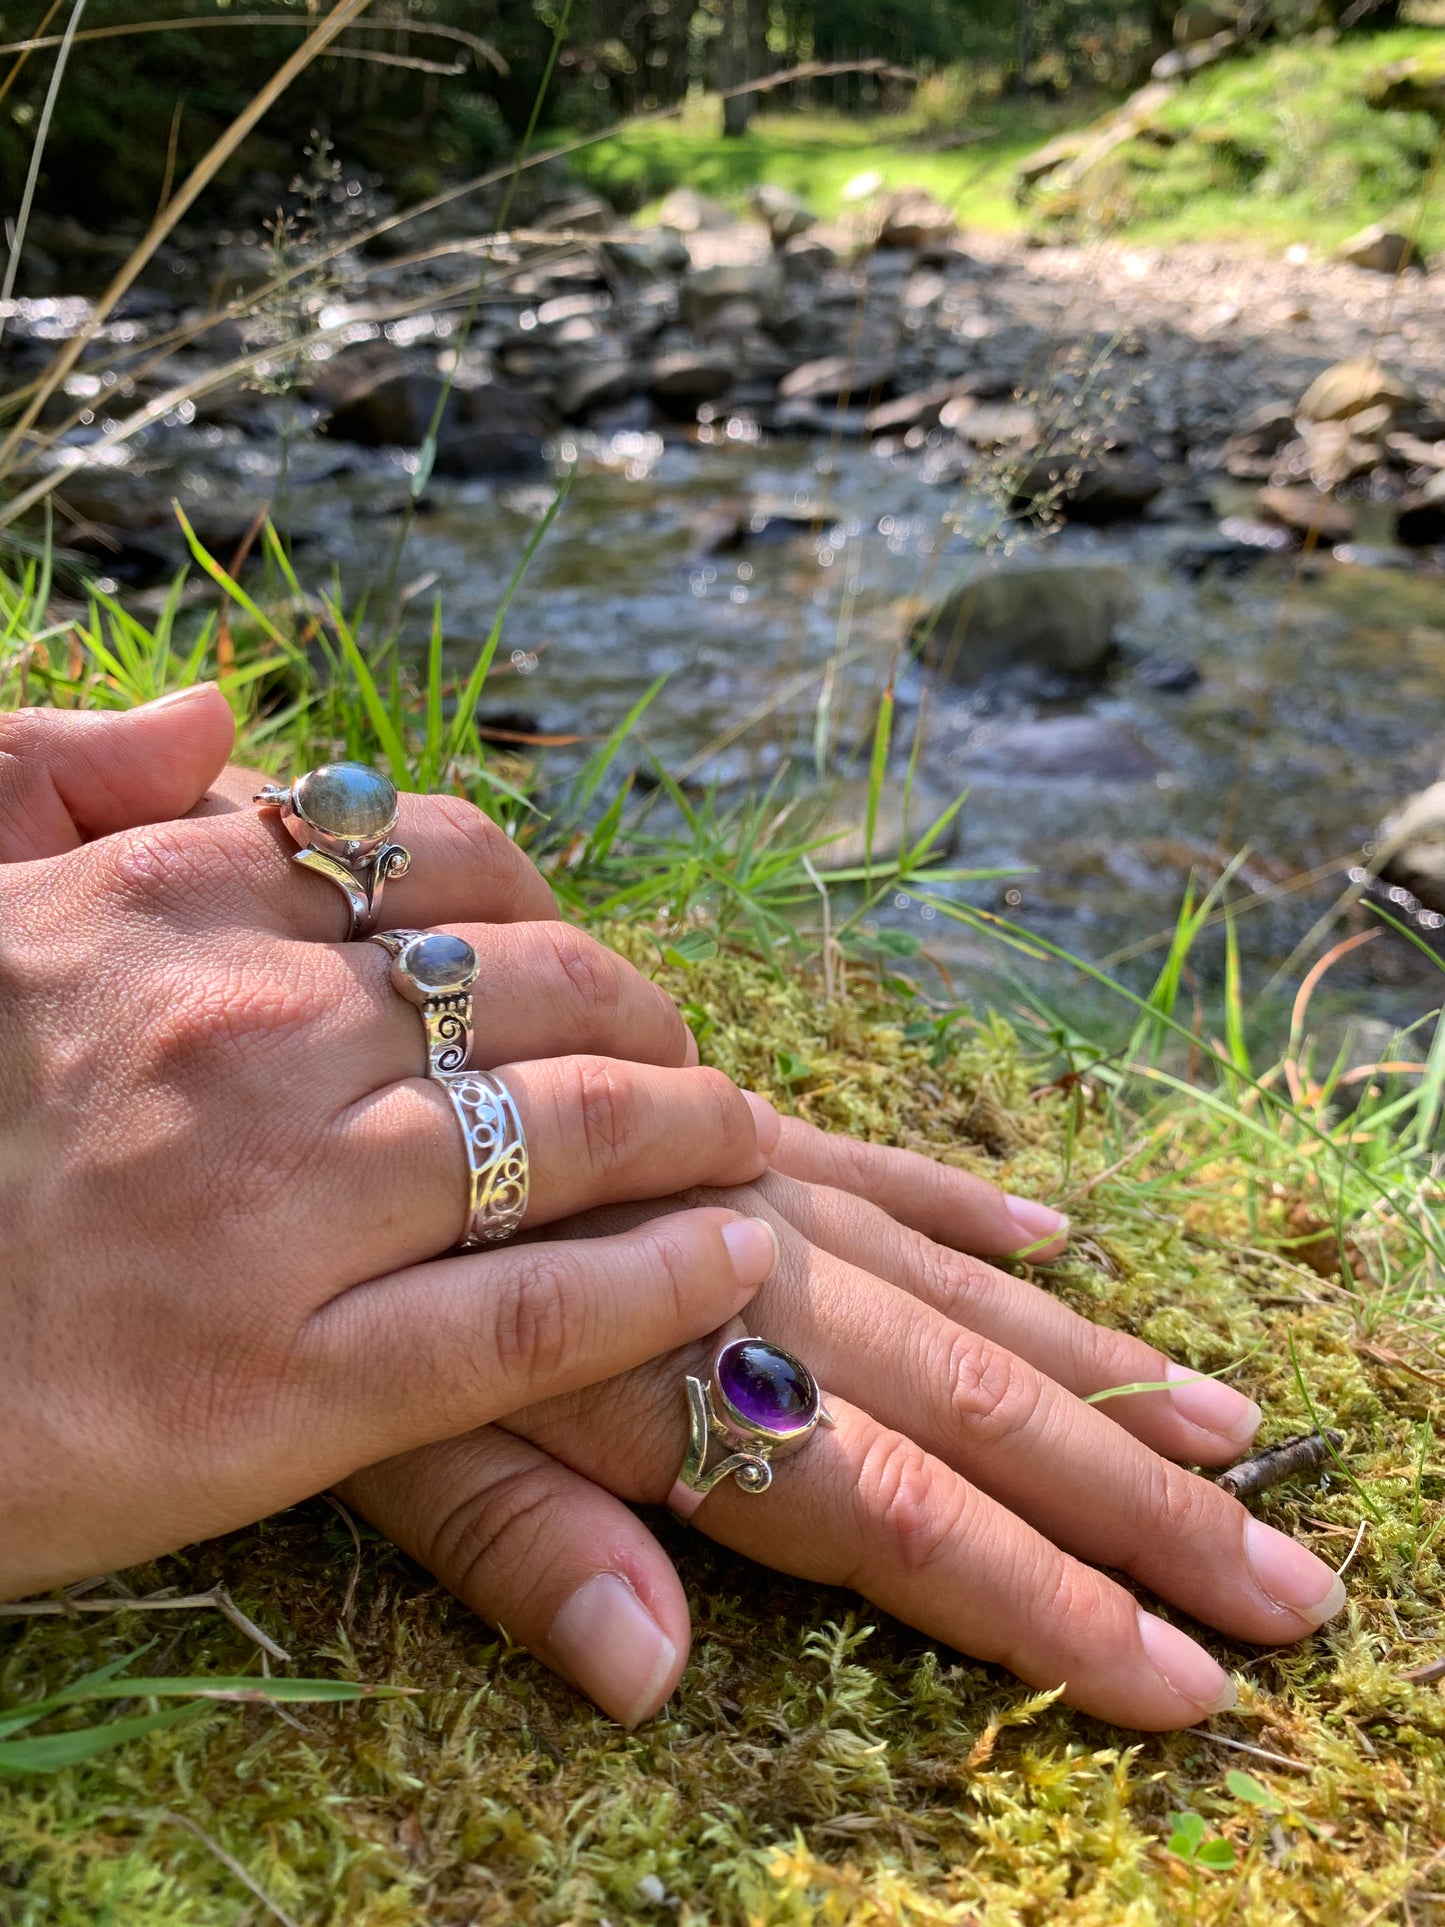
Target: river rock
{"x": 1349, "y": 386}
{"x": 1059, "y": 617}
{"x": 805, "y": 254}
{"x": 1094, "y": 488}
{"x": 596, "y": 384}
{"x": 780, "y": 212}
{"x": 1411, "y": 847}
{"x": 1249, "y": 454}
{"x": 1420, "y": 519}
{"x": 1381, "y": 249}
{"x": 693, "y": 213}
{"x": 836, "y": 375}
{"x": 579, "y": 214}
{"x": 1064, "y": 749}
{"x": 919, "y": 409}
{"x": 1304, "y": 508}
{"x": 489, "y": 429}
{"x": 911, "y": 218}
{"x": 706, "y": 290}
{"x": 985, "y": 424}
{"x": 1194, "y": 23}
{"x": 689, "y": 375}
{"x": 898, "y": 819}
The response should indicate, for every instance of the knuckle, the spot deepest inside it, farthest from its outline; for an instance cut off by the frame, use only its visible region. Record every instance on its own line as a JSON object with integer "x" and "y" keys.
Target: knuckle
{"x": 225, "y": 1018}
{"x": 505, "y": 1523}
{"x": 592, "y": 976}
{"x": 910, "y": 1503}
{"x": 992, "y": 1395}
{"x": 473, "y": 839}
{"x": 605, "y": 1112}
{"x": 155, "y": 870}
{"x": 532, "y": 1334}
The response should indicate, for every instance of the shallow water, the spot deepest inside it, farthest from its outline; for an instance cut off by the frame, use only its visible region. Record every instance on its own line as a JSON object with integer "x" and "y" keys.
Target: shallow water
{"x": 1319, "y": 704}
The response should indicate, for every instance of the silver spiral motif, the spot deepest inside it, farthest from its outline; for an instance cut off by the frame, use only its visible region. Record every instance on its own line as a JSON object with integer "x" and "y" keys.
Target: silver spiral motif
{"x": 496, "y": 1150}
{"x": 449, "y": 1041}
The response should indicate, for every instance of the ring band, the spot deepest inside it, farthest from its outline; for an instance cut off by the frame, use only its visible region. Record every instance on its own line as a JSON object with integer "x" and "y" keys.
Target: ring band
{"x": 760, "y": 1404}
{"x": 435, "y": 971}
{"x": 499, "y": 1178}
{"x": 342, "y": 816}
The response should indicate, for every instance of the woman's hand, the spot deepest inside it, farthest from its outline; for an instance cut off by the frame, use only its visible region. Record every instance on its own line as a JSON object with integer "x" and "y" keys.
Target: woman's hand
{"x": 968, "y": 1488}
{"x": 223, "y": 1174}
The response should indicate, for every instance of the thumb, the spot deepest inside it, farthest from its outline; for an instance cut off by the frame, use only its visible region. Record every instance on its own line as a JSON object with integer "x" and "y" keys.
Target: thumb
{"x": 69, "y": 775}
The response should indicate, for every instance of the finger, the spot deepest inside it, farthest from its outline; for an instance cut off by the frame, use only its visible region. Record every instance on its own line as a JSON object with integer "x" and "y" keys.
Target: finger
{"x": 1085, "y": 1484}
{"x": 597, "y": 1130}
{"x": 563, "y": 1567}
{"x": 464, "y": 867}
{"x": 542, "y": 990}
{"x": 1200, "y": 1420}
{"x": 866, "y": 1507}
{"x": 951, "y": 1206}
{"x": 69, "y": 775}
{"x": 431, "y": 1352}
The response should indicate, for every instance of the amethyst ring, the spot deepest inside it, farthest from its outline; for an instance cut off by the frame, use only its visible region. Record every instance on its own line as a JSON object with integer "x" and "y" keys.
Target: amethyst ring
{"x": 760, "y": 1404}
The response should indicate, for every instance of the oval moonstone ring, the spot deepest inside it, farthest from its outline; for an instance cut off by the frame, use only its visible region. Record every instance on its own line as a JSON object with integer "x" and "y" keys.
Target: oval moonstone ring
{"x": 760, "y": 1404}
{"x": 342, "y": 816}
{"x": 436, "y": 971}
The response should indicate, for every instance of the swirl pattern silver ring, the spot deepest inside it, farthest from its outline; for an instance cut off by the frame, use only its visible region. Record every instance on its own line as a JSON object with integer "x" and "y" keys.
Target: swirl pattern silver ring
{"x": 435, "y": 971}
{"x": 499, "y": 1176}
{"x": 342, "y": 816}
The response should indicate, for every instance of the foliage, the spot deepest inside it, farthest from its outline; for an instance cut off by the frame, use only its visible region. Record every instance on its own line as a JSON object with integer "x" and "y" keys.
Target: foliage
{"x": 1285, "y": 136}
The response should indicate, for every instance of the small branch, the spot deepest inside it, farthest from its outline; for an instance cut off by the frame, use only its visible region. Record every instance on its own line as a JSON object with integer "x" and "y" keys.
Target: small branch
{"x": 218, "y": 1600}
{"x": 1259, "y": 1752}
{"x": 1306, "y": 1453}
{"x": 247, "y": 1880}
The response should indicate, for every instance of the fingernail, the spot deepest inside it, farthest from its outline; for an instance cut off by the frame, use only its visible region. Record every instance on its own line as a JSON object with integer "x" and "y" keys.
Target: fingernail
{"x": 766, "y": 1121}
{"x": 753, "y": 1247}
{"x": 613, "y": 1648}
{"x": 1213, "y": 1406}
{"x": 1038, "y": 1222}
{"x": 1291, "y": 1574}
{"x": 186, "y": 695}
{"x": 1186, "y": 1668}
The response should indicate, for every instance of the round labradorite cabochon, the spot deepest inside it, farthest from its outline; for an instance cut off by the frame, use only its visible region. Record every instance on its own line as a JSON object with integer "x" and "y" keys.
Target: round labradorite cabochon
{"x": 347, "y": 800}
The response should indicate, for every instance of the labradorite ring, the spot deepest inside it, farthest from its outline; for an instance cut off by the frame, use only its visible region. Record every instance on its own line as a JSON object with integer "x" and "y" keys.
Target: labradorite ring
{"x": 435, "y": 971}
{"x": 342, "y": 816}
{"x": 759, "y": 1405}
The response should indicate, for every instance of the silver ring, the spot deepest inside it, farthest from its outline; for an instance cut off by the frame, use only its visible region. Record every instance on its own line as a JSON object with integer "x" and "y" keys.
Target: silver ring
{"x": 435, "y": 971}
{"x": 342, "y": 816}
{"x": 760, "y": 1404}
{"x": 498, "y": 1173}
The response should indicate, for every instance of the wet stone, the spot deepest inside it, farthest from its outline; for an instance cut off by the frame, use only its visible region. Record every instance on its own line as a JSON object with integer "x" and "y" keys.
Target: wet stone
{"x": 440, "y": 962}
{"x": 766, "y": 1386}
{"x": 348, "y": 800}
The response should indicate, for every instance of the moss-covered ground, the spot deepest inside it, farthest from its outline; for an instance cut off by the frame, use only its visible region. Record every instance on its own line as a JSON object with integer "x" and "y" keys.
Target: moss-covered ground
{"x": 820, "y": 1762}
{"x": 1277, "y": 146}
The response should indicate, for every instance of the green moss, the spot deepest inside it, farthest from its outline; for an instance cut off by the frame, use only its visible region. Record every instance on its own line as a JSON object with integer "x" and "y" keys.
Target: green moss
{"x": 820, "y": 1763}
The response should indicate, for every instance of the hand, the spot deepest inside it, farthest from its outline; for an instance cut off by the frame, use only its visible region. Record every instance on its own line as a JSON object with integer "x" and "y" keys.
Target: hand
{"x": 967, "y": 1489}
{"x": 222, "y": 1172}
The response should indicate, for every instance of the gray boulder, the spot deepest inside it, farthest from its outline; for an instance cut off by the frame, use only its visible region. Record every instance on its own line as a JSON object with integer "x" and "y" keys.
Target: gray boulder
{"x": 1062, "y": 617}
{"x": 488, "y": 429}
{"x": 1066, "y": 749}
{"x": 1381, "y": 249}
{"x": 835, "y": 375}
{"x": 1096, "y": 488}
{"x": 780, "y": 212}
{"x": 689, "y": 375}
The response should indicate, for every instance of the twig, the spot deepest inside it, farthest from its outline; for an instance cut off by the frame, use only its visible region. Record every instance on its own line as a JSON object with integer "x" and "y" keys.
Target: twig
{"x": 1427, "y": 1674}
{"x": 218, "y": 1599}
{"x": 355, "y": 1580}
{"x": 1305, "y": 1453}
{"x": 1259, "y": 1752}
{"x": 247, "y": 1880}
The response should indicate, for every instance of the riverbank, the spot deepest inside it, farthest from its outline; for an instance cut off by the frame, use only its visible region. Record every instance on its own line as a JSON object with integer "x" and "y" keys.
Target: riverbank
{"x": 819, "y": 1763}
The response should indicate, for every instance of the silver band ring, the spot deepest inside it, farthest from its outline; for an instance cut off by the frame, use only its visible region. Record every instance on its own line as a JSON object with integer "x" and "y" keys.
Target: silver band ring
{"x": 760, "y": 1404}
{"x": 342, "y": 816}
{"x": 498, "y": 1175}
{"x": 435, "y": 971}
